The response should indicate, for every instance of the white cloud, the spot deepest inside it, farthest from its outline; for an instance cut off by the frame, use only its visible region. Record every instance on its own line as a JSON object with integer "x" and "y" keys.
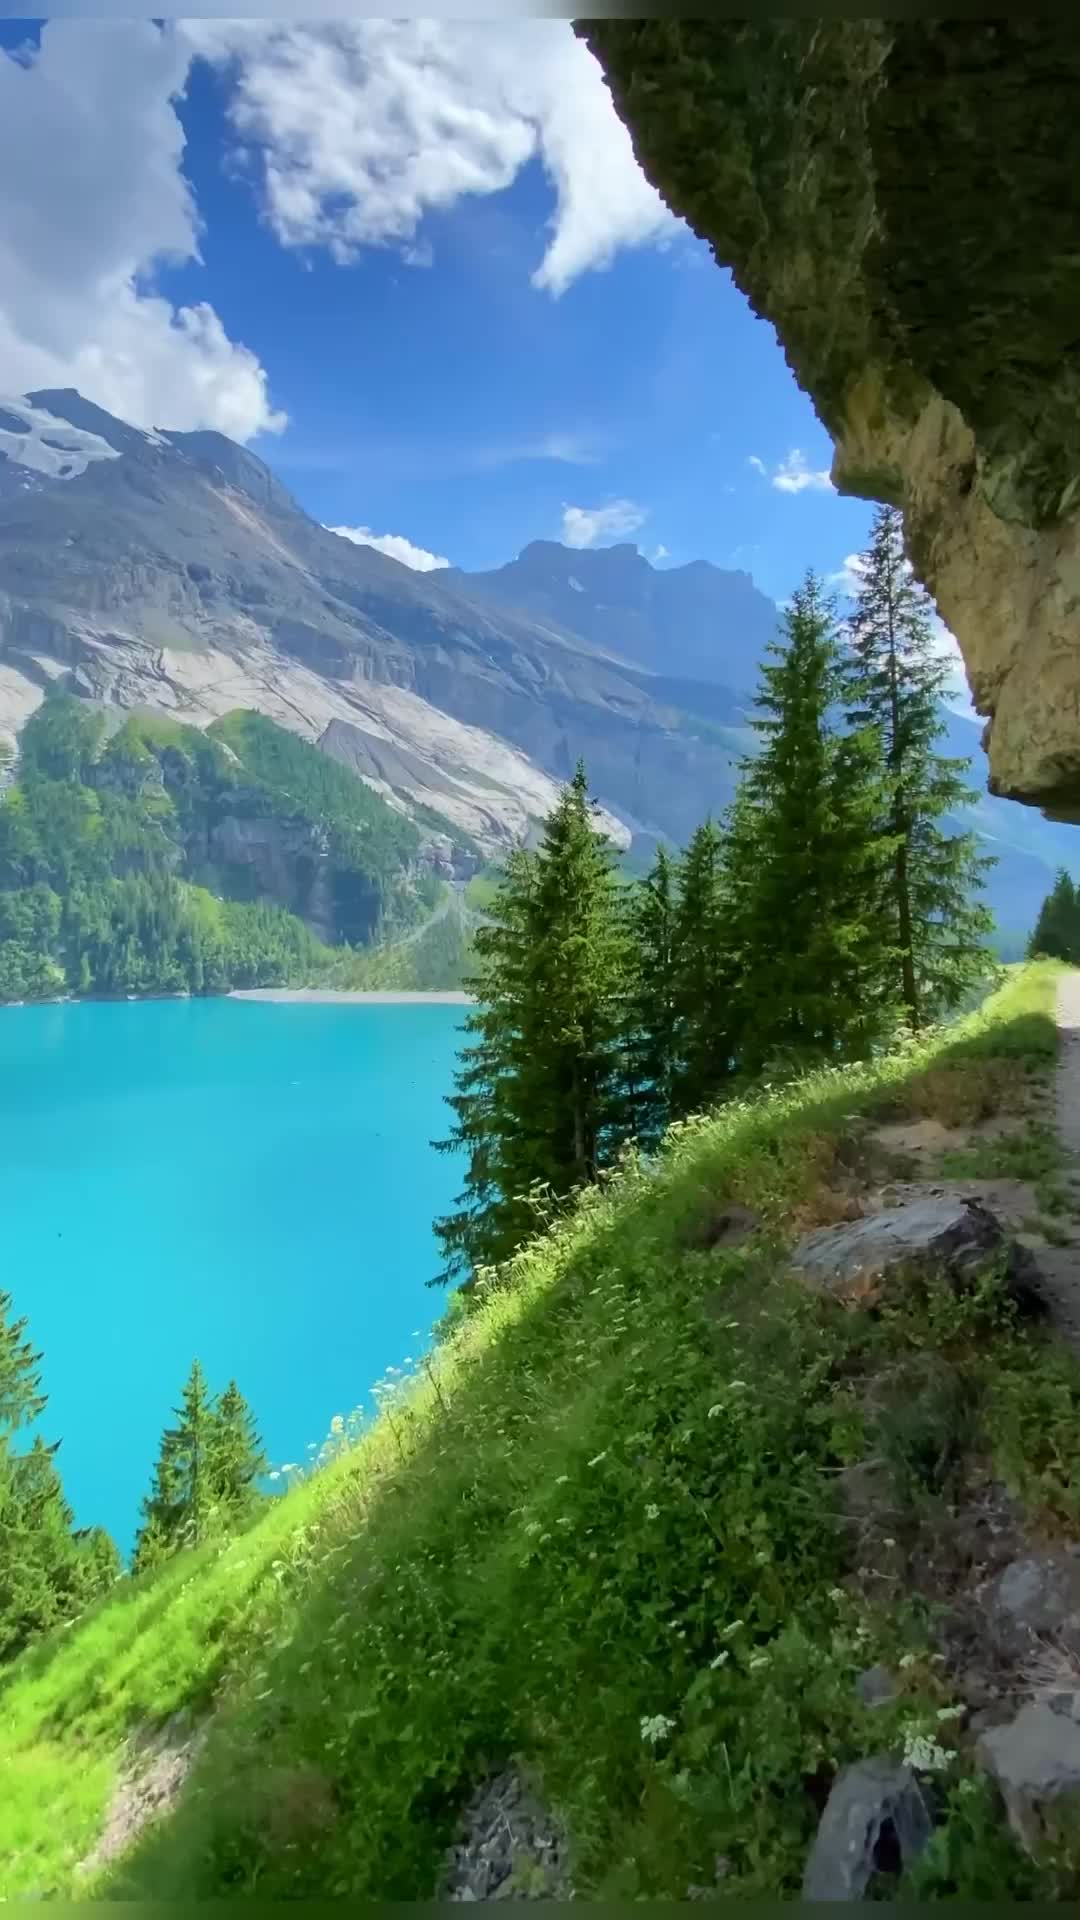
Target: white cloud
{"x": 94, "y": 199}
{"x": 585, "y": 526}
{"x": 661, "y": 552}
{"x": 793, "y": 475}
{"x": 848, "y": 578}
{"x": 396, "y": 546}
{"x": 362, "y": 127}
{"x": 756, "y": 462}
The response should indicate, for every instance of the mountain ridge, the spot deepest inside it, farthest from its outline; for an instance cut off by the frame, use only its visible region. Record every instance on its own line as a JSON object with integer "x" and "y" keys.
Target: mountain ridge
{"x": 174, "y": 573}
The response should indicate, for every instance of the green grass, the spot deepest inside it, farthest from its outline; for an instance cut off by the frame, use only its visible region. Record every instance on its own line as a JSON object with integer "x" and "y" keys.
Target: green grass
{"x": 602, "y": 1535}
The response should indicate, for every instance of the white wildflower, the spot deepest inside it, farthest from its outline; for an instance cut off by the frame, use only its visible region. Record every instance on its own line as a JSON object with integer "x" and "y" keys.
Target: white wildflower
{"x": 837, "y": 1593}
{"x": 713, "y": 1411}
{"x": 733, "y": 1628}
{"x": 652, "y": 1511}
{"x": 597, "y": 1457}
{"x": 908, "y": 1660}
{"x": 720, "y": 1660}
{"x": 950, "y": 1713}
{"x": 533, "y": 1526}
{"x": 655, "y": 1727}
{"x": 923, "y": 1754}
{"x": 757, "y": 1660}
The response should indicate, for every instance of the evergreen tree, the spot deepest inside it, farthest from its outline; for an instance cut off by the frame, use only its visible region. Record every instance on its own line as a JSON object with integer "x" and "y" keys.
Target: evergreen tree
{"x": 805, "y": 863}
{"x": 541, "y": 1095}
{"x": 179, "y": 1508}
{"x": 894, "y": 684}
{"x": 1056, "y": 935}
{"x": 237, "y": 1457}
{"x": 46, "y": 1573}
{"x": 703, "y": 976}
{"x": 652, "y": 1019}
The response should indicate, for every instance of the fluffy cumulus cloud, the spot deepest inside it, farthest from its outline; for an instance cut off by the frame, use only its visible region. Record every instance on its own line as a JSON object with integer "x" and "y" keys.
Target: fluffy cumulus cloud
{"x": 396, "y": 546}
{"x": 588, "y": 526}
{"x": 359, "y": 128}
{"x": 794, "y": 473}
{"x": 94, "y": 198}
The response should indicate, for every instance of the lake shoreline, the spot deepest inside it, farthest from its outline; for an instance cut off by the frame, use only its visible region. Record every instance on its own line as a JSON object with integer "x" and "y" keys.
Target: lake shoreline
{"x": 344, "y": 997}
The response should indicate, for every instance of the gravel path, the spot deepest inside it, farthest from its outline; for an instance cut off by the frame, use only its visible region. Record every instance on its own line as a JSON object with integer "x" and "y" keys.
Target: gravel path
{"x": 1068, "y": 1073}
{"x": 1061, "y": 1265}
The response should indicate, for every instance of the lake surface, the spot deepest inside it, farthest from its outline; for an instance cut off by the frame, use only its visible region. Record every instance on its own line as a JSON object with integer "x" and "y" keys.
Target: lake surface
{"x": 249, "y": 1184}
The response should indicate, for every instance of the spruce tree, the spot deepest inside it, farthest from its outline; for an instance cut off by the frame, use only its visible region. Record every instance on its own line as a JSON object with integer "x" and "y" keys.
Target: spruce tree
{"x": 1056, "y": 934}
{"x": 895, "y": 681}
{"x": 236, "y": 1456}
{"x": 652, "y": 1020}
{"x": 46, "y": 1575}
{"x": 703, "y": 976}
{"x": 805, "y": 863}
{"x": 179, "y": 1509}
{"x": 541, "y": 1099}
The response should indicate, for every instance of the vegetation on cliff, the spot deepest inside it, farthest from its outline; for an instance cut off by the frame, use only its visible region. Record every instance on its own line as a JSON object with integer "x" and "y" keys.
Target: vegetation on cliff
{"x": 162, "y": 859}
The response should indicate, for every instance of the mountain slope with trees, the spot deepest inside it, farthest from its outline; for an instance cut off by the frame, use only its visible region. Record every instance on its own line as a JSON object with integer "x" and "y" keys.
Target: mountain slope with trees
{"x": 159, "y": 858}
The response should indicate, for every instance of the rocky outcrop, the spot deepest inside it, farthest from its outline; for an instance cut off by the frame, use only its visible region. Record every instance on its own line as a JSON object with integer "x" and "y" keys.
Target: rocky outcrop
{"x": 901, "y": 199}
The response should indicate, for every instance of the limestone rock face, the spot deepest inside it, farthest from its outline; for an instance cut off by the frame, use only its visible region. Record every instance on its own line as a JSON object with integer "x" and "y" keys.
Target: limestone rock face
{"x": 901, "y": 199}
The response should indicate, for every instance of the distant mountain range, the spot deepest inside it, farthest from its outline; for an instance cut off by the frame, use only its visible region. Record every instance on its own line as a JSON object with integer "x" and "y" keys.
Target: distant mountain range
{"x": 173, "y": 572}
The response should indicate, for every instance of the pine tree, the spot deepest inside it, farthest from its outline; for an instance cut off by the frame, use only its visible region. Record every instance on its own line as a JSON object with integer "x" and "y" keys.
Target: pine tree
{"x": 45, "y": 1574}
{"x": 541, "y": 1098}
{"x": 703, "y": 976}
{"x": 652, "y": 1020}
{"x": 180, "y": 1506}
{"x": 236, "y": 1456}
{"x": 1056, "y": 935}
{"x": 805, "y": 863}
{"x": 894, "y": 684}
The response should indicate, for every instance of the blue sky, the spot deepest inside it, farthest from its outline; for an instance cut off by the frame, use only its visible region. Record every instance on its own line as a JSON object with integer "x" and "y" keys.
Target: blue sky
{"x": 417, "y": 280}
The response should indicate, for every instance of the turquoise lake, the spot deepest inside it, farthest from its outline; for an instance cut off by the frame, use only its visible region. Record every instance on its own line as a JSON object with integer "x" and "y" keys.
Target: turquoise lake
{"x": 248, "y": 1183}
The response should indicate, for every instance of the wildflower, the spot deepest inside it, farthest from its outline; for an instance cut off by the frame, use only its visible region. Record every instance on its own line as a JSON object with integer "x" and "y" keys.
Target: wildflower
{"x": 597, "y": 1457}
{"x": 543, "y": 1537}
{"x": 713, "y": 1411}
{"x": 757, "y": 1660}
{"x": 837, "y": 1593}
{"x": 533, "y": 1526}
{"x": 720, "y": 1660}
{"x": 652, "y": 1511}
{"x": 950, "y": 1713}
{"x": 733, "y": 1628}
{"x": 655, "y": 1727}
{"x": 908, "y": 1660}
{"x": 337, "y": 1424}
{"x": 923, "y": 1754}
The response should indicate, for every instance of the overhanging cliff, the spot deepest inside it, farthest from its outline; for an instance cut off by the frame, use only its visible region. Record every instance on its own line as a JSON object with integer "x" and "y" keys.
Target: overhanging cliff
{"x": 901, "y": 199}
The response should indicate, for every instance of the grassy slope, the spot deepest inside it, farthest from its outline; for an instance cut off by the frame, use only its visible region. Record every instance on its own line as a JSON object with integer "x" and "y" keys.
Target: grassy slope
{"x": 615, "y": 1500}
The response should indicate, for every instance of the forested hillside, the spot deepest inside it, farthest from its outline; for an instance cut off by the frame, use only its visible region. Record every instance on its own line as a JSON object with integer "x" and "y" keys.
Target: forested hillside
{"x": 163, "y": 859}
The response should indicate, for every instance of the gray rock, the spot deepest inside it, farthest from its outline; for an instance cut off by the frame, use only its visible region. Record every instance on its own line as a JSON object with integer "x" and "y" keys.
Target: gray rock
{"x": 944, "y": 1232}
{"x": 872, "y": 1804}
{"x": 1032, "y": 1600}
{"x": 876, "y": 1687}
{"x": 1035, "y": 1759}
{"x": 509, "y": 1848}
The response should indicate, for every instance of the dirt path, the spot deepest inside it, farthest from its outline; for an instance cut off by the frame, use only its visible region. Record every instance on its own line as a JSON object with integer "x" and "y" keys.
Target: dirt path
{"x": 1062, "y": 1264}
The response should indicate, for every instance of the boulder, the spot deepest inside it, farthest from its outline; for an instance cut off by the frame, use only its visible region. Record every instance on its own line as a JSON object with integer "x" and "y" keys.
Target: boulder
{"x": 1033, "y": 1600}
{"x": 938, "y": 1233}
{"x": 875, "y": 1820}
{"x": 1035, "y": 1759}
